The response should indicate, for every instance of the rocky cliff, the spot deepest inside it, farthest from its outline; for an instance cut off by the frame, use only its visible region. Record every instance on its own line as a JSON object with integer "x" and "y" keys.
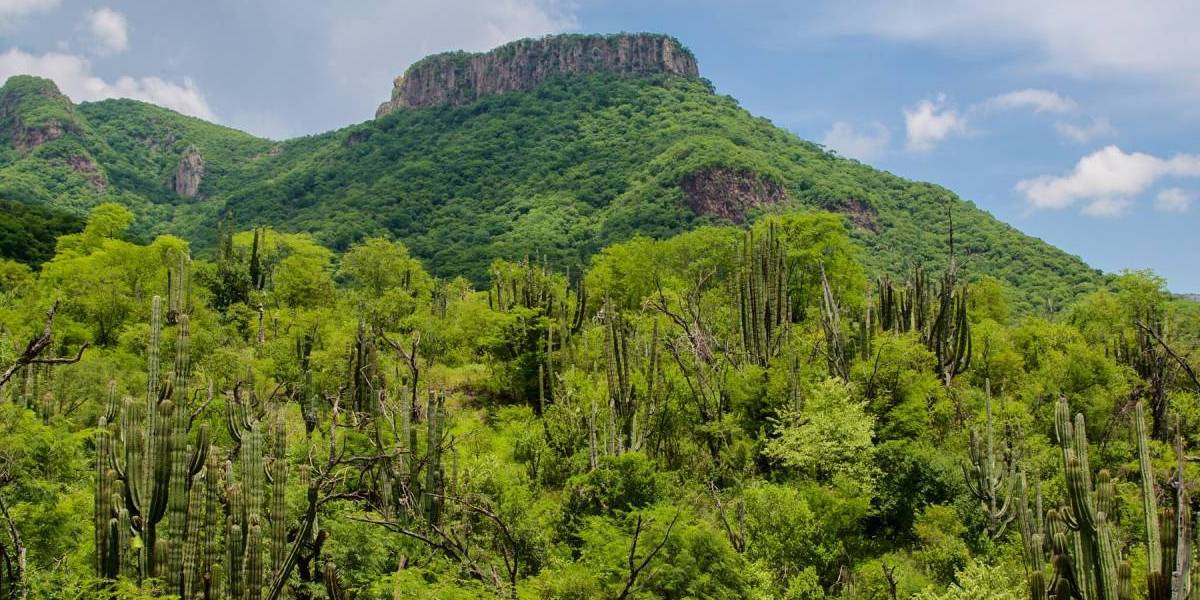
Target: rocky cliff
{"x": 456, "y": 78}
{"x": 189, "y": 172}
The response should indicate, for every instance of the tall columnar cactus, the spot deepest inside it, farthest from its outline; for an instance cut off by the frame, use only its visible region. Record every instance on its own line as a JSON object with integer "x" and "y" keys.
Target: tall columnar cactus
{"x": 950, "y": 334}
{"x": 764, "y": 296}
{"x": 434, "y": 471}
{"x": 256, "y": 524}
{"x": 988, "y": 479}
{"x": 1094, "y": 550}
{"x": 831, "y": 324}
{"x": 940, "y": 319}
{"x": 1171, "y": 572}
{"x": 1033, "y": 538}
{"x": 621, "y": 399}
{"x": 365, "y": 379}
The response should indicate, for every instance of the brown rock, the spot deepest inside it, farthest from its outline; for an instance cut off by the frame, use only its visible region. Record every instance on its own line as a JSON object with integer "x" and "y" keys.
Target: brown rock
{"x": 458, "y": 78}
{"x": 728, "y": 194}
{"x": 189, "y": 173}
{"x": 84, "y": 166}
{"x": 860, "y": 214}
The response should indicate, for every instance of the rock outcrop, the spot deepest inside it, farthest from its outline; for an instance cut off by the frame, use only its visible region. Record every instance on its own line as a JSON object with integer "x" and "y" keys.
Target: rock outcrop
{"x": 189, "y": 173}
{"x": 87, "y": 167}
{"x": 728, "y": 194}
{"x": 457, "y": 78}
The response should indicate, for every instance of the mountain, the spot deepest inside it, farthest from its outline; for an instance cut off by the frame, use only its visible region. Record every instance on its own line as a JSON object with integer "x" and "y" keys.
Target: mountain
{"x": 553, "y": 147}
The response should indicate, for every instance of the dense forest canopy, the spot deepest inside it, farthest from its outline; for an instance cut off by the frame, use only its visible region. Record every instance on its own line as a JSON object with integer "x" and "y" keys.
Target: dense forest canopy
{"x": 722, "y": 413}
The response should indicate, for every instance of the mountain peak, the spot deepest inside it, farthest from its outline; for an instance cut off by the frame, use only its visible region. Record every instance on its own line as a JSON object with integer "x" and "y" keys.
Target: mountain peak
{"x": 33, "y": 111}
{"x": 456, "y": 78}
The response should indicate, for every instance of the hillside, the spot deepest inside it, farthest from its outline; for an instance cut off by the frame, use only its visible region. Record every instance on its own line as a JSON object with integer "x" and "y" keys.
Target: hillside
{"x": 580, "y": 159}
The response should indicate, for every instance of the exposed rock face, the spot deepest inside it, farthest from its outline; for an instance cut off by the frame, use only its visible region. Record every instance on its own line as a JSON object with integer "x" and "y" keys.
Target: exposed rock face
{"x": 189, "y": 173}
{"x": 728, "y": 194}
{"x": 861, "y": 214}
{"x": 457, "y": 78}
{"x": 86, "y": 167}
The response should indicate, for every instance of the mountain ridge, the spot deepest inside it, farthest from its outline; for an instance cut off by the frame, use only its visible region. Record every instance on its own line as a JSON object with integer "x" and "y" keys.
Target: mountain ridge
{"x": 457, "y": 78}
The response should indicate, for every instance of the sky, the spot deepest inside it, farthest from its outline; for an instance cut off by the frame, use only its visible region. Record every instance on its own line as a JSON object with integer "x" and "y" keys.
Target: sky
{"x": 1075, "y": 121}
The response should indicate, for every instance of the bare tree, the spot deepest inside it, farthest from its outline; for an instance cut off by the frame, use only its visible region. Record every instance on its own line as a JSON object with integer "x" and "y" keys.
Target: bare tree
{"x": 33, "y": 351}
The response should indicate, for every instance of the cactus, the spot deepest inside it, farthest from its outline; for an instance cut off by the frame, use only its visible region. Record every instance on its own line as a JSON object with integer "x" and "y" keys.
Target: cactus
{"x": 365, "y": 379}
{"x": 941, "y": 319}
{"x": 432, "y": 495}
{"x": 831, "y": 324}
{"x": 1094, "y": 549}
{"x": 764, "y": 296}
{"x": 989, "y": 481}
{"x": 1029, "y": 523}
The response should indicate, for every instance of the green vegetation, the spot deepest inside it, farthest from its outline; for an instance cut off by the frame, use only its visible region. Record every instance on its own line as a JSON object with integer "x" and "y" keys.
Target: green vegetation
{"x": 558, "y": 173}
{"x": 28, "y": 231}
{"x": 721, "y": 413}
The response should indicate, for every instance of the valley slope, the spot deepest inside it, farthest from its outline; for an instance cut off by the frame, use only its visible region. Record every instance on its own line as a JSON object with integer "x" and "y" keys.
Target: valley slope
{"x": 554, "y": 158}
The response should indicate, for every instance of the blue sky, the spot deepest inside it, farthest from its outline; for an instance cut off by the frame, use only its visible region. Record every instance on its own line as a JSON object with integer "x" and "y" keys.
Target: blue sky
{"x": 1075, "y": 121}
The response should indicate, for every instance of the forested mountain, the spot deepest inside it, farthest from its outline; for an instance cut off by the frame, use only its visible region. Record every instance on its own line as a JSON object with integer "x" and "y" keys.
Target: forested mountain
{"x": 571, "y": 160}
{"x": 337, "y": 391}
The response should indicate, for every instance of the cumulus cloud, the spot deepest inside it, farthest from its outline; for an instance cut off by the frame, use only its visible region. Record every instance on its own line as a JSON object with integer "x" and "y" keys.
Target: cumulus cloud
{"x": 13, "y": 9}
{"x": 1082, "y": 134}
{"x": 73, "y": 75}
{"x": 1106, "y": 180}
{"x": 1173, "y": 200}
{"x": 376, "y": 41}
{"x": 109, "y": 29}
{"x": 1039, "y": 100}
{"x": 849, "y": 141}
{"x": 1146, "y": 40}
{"x": 931, "y": 122}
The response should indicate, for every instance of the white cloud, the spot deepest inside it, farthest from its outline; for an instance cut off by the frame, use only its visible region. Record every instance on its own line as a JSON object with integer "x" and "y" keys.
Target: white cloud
{"x": 1173, "y": 200}
{"x": 930, "y": 122}
{"x": 375, "y": 42}
{"x": 12, "y": 9}
{"x": 109, "y": 29}
{"x": 1149, "y": 40}
{"x": 73, "y": 75}
{"x": 1082, "y": 134}
{"x": 1038, "y": 100}
{"x": 863, "y": 145}
{"x": 1107, "y": 180}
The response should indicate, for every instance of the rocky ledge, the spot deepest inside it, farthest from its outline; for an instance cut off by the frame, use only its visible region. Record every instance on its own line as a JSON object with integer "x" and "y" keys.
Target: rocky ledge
{"x": 456, "y": 78}
{"x": 728, "y": 194}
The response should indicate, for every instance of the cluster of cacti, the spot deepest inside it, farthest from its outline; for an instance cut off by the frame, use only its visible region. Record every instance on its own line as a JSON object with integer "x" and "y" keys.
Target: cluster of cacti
{"x": 939, "y": 316}
{"x": 631, "y": 405}
{"x": 365, "y": 381}
{"x": 1081, "y": 536}
{"x": 1087, "y": 558}
{"x": 256, "y": 508}
{"x": 1172, "y": 570}
{"x": 303, "y": 389}
{"x": 989, "y": 479}
{"x": 147, "y": 471}
{"x": 150, "y": 469}
{"x": 527, "y": 284}
{"x": 557, "y": 317}
{"x": 831, "y": 325}
{"x": 410, "y": 484}
{"x": 764, "y": 296}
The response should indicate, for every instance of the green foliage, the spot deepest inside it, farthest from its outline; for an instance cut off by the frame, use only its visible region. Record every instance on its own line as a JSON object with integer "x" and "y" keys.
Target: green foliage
{"x": 557, "y": 172}
{"x": 344, "y": 424}
{"x": 829, "y": 435}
